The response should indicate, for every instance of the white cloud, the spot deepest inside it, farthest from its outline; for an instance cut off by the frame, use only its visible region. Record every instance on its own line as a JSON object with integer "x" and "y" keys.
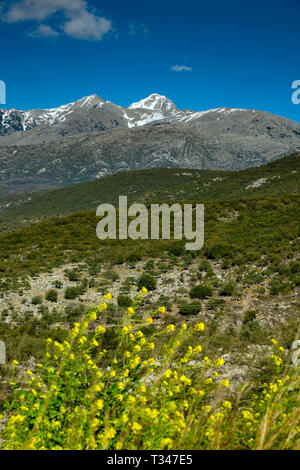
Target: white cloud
{"x": 181, "y": 68}
{"x": 78, "y": 20}
{"x": 44, "y": 30}
{"x": 85, "y": 25}
{"x": 138, "y": 29}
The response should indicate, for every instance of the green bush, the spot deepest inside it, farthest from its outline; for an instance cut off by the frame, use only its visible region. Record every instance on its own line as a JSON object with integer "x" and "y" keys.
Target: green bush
{"x": 295, "y": 267}
{"x": 37, "y": 300}
{"x": 277, "y": 286}
{"x": 112, "y": 275}
{"x": 249, "y": 316}
{"x": 124, "y": 300}
{"x": 146, "y": 280}
{"x": 228, "y": 289}
{"x": 220, "y": 250}
{"x": 190, "y": 308}
{"x": 57, "y": 284}
{"x": 216, "y": 304}
{"x": 74, "y": 311}
{"x": 200, "y": 291}
{"x": 51, "y": 295}
{"x": 150, "y": 265}
{"x": 177, "y": 249}
{"x": 252, "y": 332}
{"x": 72, "y": 275}
{"x": 134, "y": 257}
{"x": 72, "y": 293}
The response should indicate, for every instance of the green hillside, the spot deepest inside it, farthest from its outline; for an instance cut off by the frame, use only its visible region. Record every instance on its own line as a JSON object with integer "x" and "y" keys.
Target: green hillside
{"x": 241, "y": 289}
{"x": 245, "y": 229}
{"x": 153, "y": 185}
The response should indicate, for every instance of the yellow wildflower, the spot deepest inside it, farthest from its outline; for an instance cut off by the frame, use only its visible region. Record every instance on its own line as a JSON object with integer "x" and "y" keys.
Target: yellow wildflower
{"x": 136, "y": 428}
{"x": 199, "y": 327}
{"x": 225, "y": 382}
{"x": 144, "y": 290}
{"x": 99, "y": 404}
{"x": 170, "y": 328}
{"x": 130, "y": 311}
{"x": 100, "y": 329}
{"x": 227, "y": 405}
{"x": 93, "y": 316}
{"x": 166, "y": 442}
{"x": 121, "y": 386}
{"x": 161, "y": 310}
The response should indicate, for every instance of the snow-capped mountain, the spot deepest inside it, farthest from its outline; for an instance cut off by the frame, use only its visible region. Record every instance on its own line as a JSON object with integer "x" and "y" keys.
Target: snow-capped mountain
{"x": 92, "y": 113}
{"x": 156, "y": 102}
{"x": 90, "y": 138}
{"x": 12, "y": 120}
{"x": 100, "y": 114}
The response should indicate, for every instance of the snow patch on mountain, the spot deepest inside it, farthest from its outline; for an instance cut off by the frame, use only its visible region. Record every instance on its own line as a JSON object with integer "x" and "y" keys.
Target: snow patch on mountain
{"x": 156, "y": 102}
{"x": 36, "y": 117}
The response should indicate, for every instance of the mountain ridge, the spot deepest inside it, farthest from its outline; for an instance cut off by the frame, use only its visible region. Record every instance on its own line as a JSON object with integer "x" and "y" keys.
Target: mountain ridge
{"x": 32, "y": 127}
{"x": 92, "y": 138}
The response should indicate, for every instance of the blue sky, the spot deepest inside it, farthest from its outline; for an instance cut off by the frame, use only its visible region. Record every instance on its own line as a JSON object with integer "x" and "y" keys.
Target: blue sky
{"x": 201, "y": 54}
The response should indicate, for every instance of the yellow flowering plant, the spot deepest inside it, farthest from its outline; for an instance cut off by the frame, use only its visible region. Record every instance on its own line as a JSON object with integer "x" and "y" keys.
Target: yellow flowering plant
{"x": 151, "y": 395}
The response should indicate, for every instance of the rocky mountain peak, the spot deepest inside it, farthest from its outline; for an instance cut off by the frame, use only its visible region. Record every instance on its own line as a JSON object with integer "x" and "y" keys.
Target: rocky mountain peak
{"x": 156, "y": 102}
{"x": 90, "y": 101}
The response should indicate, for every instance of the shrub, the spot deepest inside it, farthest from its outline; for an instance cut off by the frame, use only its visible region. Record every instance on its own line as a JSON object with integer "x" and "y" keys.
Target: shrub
{"x": 275, "y": 287}
{"x": 74, "y": 311}
{"x": 204, "y": 266}
{"x": 128, "y": 283}
{"x": 177, "y": 249}
{"x": 111, "y": 275}
{"x": 37, "y": 300}
{"x": 249, "y": 316}
{"x": 220, "y": 250}
{"x": 295, "y": 267}
{"x": 134, "y": 257}
{"x": 252, "y": 332}
{"x": 51, "y": 295}
{"x": 57, "y": 284}
{"x": 72, "y": 293}
{"x": 190, "y": 308}
{"x": 228, "y": 289}
{"x": 216, "y": 304}
{"x": 148, "y": 281}
{"x": 200, "y": 291}
{"x": 279, "y": 287}
{"x": 72, "y": 275}
{"x": 124, "y": 300}
{"x": 150, "y": 265}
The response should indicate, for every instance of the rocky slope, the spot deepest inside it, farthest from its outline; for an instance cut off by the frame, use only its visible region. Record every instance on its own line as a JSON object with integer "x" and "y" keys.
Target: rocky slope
{"x": 91, "y": 138}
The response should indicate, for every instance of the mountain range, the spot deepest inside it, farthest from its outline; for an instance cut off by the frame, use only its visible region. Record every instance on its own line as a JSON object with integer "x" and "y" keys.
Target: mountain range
{"x": 91, "y": 138}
